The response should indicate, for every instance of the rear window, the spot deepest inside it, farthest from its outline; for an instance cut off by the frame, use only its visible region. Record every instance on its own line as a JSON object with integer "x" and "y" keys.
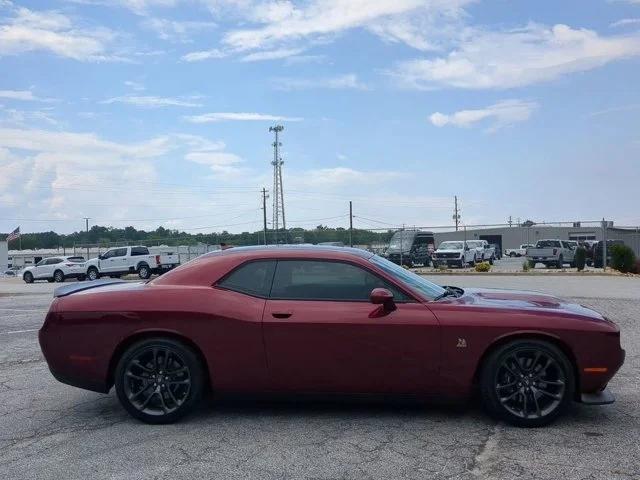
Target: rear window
{"x": 253, "y": 278}
{"x": 139, "y": 251}
{"x": 548, "y": 244}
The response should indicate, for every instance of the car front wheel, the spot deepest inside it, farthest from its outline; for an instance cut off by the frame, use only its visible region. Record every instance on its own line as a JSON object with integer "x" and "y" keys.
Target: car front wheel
{"x": 159, "y": 380}
{"x": 93, "y": 274}
{"x": 28, "y": 277}
{"x": 527, "y": 383}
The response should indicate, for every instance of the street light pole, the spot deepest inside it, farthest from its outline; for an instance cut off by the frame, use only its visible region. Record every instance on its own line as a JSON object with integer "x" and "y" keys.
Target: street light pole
{"x": 86, "y": 220}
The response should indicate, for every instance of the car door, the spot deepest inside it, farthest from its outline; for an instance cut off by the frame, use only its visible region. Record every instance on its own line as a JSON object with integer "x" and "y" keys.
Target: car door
{"x": 120, "y": 260}
{"x": 322, "y": 334}
{"x": 39, "y": 268}
{"x": 107, "y": 261}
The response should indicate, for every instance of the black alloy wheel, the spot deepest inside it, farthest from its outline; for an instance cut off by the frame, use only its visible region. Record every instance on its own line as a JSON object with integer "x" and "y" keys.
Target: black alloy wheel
{"x": 159, "y": 380}
{"x": 527, "y": 383}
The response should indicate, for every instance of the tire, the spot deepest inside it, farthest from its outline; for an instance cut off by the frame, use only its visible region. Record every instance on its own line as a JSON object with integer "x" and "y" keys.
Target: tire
{"x": 513, "y": 254}
{"x": 491, "y": 261}
{"x": 434, "y": 263}
{"x": 28, "y": 277}
{"x": 171, "y": 400}
{"x": 533, "y": 396}
{"x": 93, "y": 274}
{"x": 560, "y": 263}
{"x": 58, "y": 276}
{"x": 144, "y": 272}
{"x": 462, "y": 264}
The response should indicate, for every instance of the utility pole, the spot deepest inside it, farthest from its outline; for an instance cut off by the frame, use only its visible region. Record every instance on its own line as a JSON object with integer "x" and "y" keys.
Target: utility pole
{"x": 86, "y": 221}
{"x": 350, "y": 223}
{"x": 604, "y": 245}
{"x": 278, "y": 192}
{"x": 456, "y": 215}
{"x": 264, "y": 212}
{"x": 510, "y": 221}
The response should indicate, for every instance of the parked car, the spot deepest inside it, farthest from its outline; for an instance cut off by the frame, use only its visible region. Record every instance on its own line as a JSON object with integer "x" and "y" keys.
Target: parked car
{"x": 453, "y": 253}
{"x": 325, "y": 320}
{"x": 484, "y": 251}
{"x": 552, "y": 253}
{"x": 497, "y": 250}
{"x": 55, "y": 269}
{"x": 521, "y": 251}
{"x": 411, "y": 247}
{"x": 597, "y": 252}
{"x": 119, "y": 261}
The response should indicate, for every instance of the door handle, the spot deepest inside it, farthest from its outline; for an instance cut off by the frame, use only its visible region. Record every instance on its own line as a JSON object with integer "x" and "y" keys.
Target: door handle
{"x": 281, "y": 314}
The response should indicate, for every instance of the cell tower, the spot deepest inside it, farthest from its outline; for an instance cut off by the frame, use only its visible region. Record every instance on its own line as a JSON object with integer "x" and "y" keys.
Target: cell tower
{"x": 278, "y": 193}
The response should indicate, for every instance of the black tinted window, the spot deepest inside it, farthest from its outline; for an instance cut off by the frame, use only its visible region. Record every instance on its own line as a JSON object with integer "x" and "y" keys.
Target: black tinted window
{"x": 252, "y": 278}
{"x": 139, "y": 251}
{"x": 120, "y": 252}
{"x": 318, "y": 280}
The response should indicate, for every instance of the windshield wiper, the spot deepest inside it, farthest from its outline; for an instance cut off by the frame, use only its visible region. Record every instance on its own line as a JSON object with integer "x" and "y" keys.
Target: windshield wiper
{"x": 448, "y": 292}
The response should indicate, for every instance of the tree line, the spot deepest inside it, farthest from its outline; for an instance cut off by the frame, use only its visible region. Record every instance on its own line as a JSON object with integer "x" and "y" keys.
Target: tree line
{"x": 101, "y": 235}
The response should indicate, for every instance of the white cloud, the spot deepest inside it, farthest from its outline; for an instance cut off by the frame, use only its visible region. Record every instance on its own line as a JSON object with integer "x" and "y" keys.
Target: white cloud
{"x": 51, "y": 31}
{"x": 149, "y": 101}
{"x": 283, "y": 21}
{"x": 137, "y": 86}
{"x": 239, "y": 116}
{"x": 24, "y": 95}
{"x": 515, "y": 58}
{"x": 501, "y": 114}
{"x": 625, "y": 22}
{"x": 174, "y": 30}
{"x": 203, "y": 55}
{"x": 347, "y": 81}
{"x": 271, "y": 54}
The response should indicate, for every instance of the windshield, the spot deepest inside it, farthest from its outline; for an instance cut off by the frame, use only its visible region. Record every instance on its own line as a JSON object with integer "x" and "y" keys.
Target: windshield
{"x": 430, "y": 290}
{"x": 451, "y": 246}
{"x": 402, "y": 240}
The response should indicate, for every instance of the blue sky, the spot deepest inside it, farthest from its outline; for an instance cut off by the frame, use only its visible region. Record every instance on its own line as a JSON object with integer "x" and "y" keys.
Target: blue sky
{"x": 156, "y": 112}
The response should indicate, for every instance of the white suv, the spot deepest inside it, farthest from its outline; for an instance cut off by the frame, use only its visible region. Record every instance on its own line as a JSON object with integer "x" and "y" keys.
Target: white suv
{"x": 55, "y": 269}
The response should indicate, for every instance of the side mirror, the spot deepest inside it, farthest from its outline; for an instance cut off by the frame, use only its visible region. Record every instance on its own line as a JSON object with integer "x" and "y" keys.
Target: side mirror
{"x": 382, "y": 296}
{"x": 100, "y": 257}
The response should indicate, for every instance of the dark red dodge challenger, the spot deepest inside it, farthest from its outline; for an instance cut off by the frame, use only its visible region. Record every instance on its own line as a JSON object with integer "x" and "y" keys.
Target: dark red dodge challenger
{"x": 325, "y": 320}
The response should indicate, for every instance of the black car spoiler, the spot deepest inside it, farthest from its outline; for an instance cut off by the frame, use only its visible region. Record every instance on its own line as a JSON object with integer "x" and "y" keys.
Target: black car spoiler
{"x": 80, "y": 286}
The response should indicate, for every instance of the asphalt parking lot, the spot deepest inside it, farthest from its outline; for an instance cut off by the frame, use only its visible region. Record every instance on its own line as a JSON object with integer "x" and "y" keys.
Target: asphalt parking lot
{"x": 52, "y": 431}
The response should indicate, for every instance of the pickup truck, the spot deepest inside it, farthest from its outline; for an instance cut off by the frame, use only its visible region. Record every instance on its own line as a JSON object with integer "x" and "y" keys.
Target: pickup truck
{"x": 125, "y": 260}
{"x": 484, "y": 251}
{"x": 453, "y": 253}
{"x": 552, "y": 253}
{"x": 521, "y": 251}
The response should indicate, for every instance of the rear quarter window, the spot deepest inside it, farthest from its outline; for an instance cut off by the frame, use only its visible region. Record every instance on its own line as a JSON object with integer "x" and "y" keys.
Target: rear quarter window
{"x": 253, "y": 278}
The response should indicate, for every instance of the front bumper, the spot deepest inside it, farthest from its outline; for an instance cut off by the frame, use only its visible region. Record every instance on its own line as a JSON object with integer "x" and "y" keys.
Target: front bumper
{"x": 603, "y": 397}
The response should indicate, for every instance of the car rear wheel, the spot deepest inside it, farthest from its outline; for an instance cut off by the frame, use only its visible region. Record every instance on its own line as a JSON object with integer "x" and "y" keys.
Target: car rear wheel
{"x": 159, "y": 380}
{"x": 28, "y": 277}
{"x": 527, "y": 383}
{"x": 560, "y": 262}
{"x": 144, "y": 272}
{"x": 512, "y": 254}
{"x": 92, "y": 274}
{"x": 58, "y": 276}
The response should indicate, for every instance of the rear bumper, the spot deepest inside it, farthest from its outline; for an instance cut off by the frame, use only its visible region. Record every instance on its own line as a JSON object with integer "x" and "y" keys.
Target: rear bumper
{"x": 80, "y": 382}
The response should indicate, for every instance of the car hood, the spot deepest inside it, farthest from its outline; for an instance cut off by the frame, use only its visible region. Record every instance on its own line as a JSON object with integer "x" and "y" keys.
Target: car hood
{"x": 524, "y": 300}
{"x": 449, "y": 250}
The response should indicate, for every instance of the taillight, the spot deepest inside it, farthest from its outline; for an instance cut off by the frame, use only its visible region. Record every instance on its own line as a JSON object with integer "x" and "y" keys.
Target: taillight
{"x": 158, "y": 259}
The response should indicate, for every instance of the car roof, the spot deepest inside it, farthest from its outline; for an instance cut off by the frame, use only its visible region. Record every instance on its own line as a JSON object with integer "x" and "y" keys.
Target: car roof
{"x": 323, "y": 251}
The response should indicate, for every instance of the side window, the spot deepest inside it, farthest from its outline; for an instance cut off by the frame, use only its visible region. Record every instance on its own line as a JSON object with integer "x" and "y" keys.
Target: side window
{"x": 53, "y": 261}
{"x": 326, "y": 280}
{"x": 119, "y": 252}
{"x": 108, "y": 254}
{"x": 253, "y": 278}
{"x": 139, "y": 251}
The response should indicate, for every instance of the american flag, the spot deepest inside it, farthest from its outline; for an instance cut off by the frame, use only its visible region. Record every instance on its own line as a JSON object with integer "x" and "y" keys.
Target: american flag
{"x": 13, "y": 235}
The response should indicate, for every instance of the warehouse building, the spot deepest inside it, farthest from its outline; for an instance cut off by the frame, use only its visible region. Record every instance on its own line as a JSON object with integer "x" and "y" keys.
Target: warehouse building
{"x": 513, "y": 237}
